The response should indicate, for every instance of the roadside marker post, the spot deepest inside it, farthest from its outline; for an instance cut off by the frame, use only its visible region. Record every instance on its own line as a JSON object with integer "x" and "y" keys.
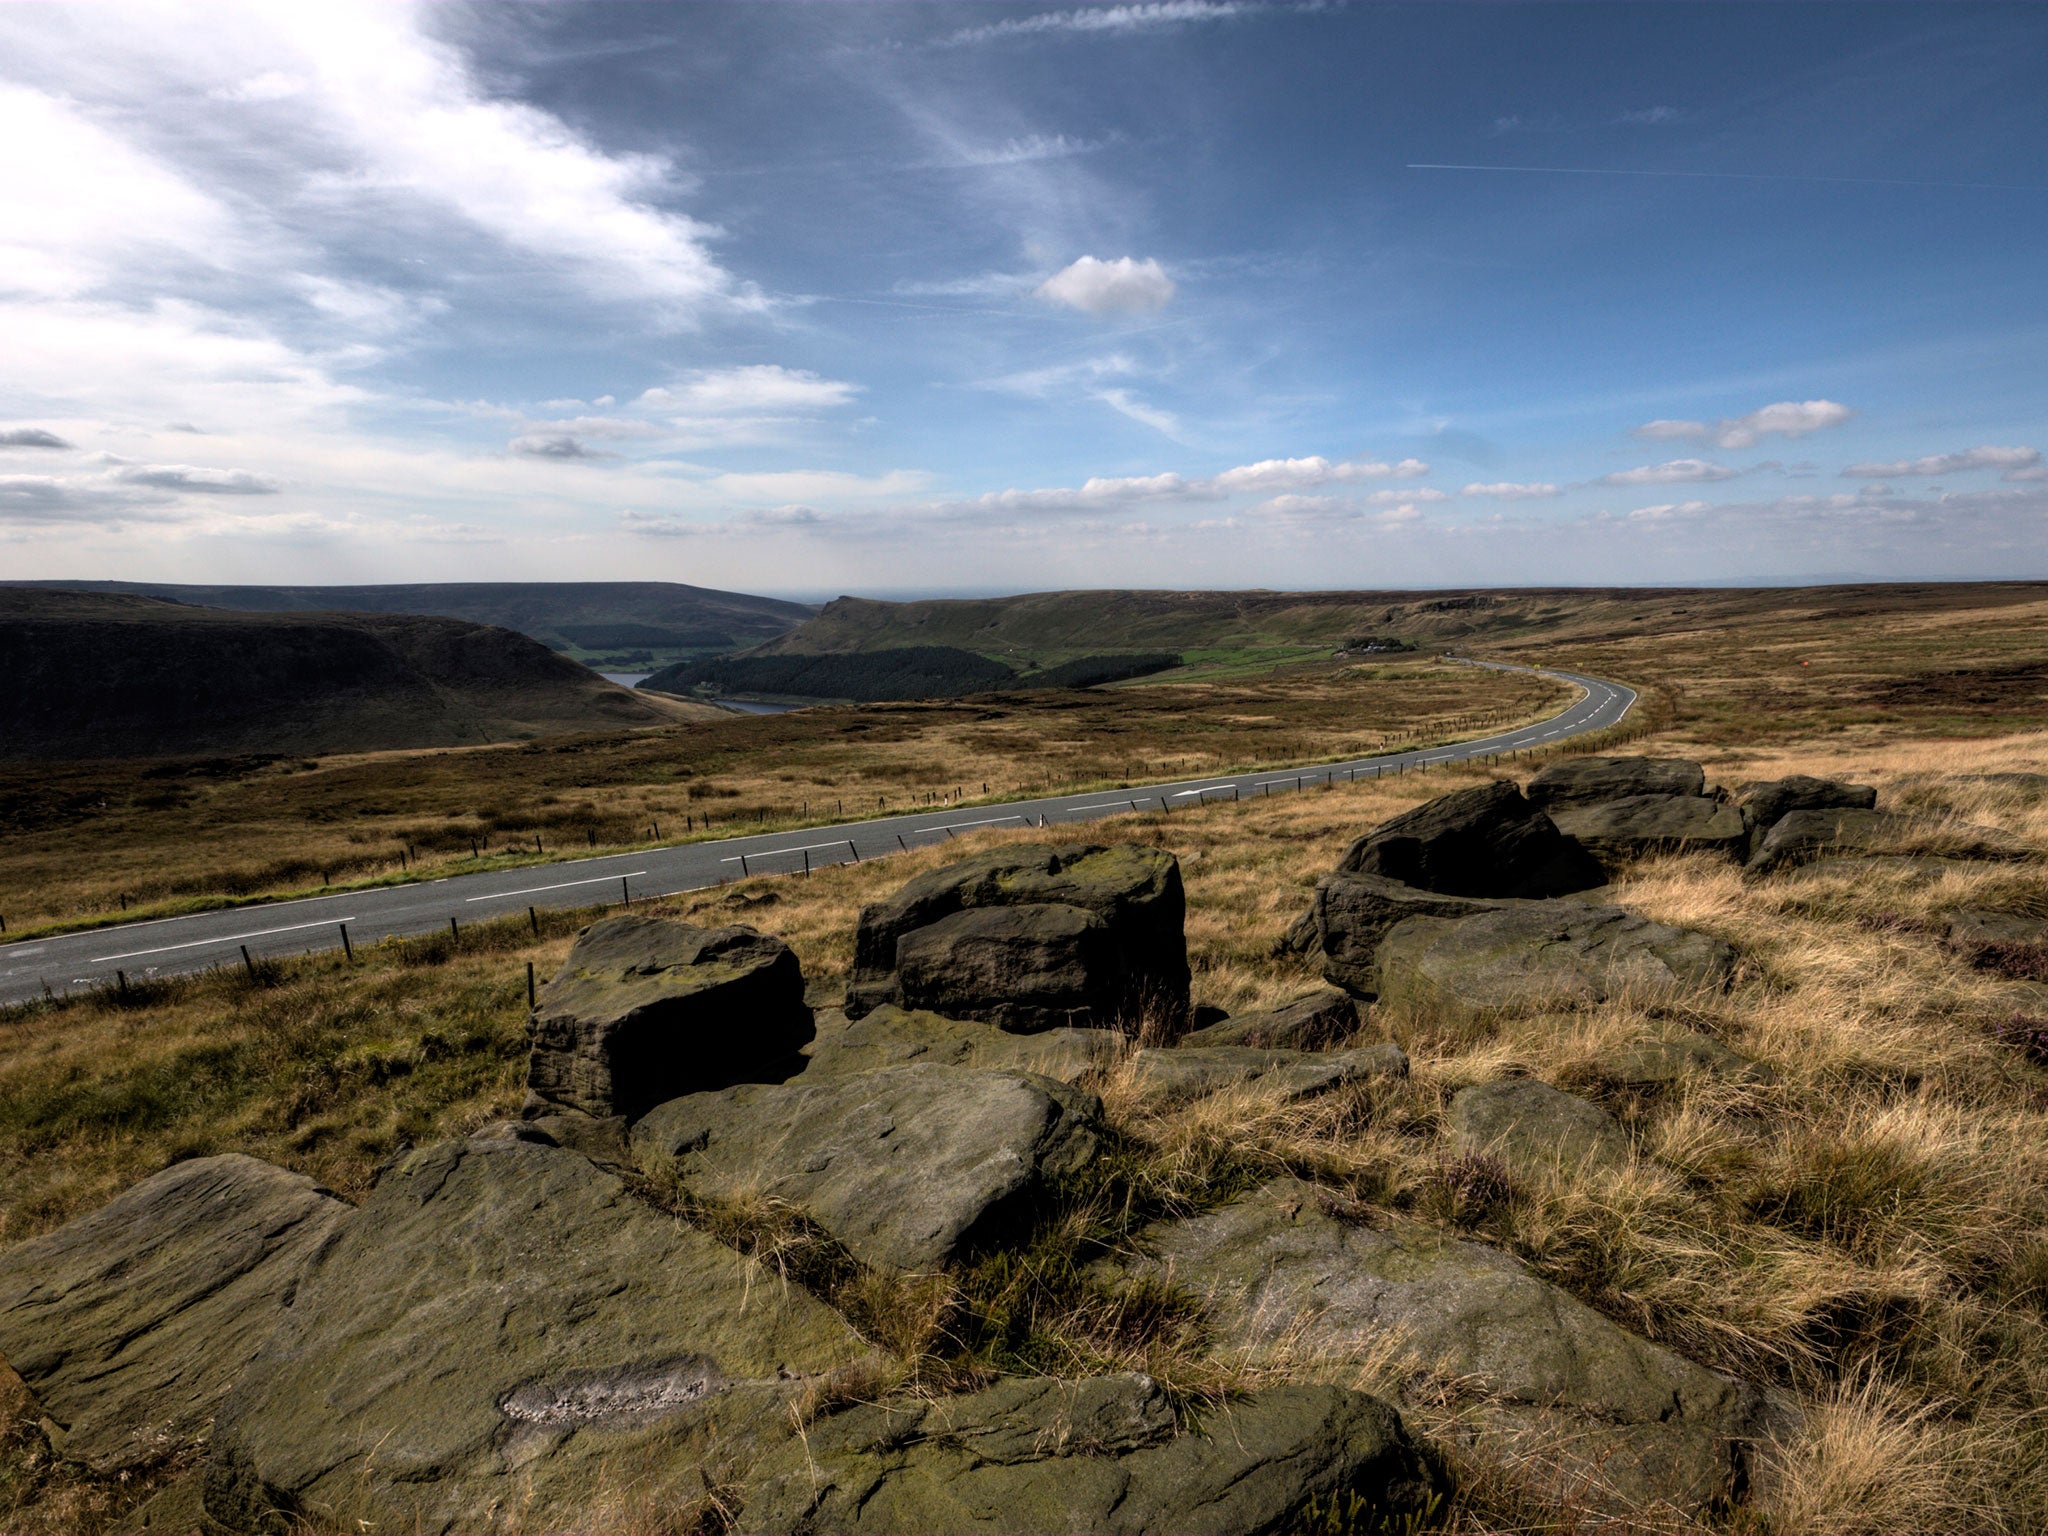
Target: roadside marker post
{"x": 454, "y": 933}
{"x": 625, "y": 892}
{"x": 348, "y": 950}
{"x": 533, "y": 917}
{"x": 529, "y": 986}
{"x": 248, "y": 963}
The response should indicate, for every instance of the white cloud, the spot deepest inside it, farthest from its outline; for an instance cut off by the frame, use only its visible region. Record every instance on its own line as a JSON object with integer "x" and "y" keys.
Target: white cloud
{"x": 1122, "y": 20}
{"x": 1419, "y": 493}
{"x": 1509, "y": 490}
{"x": 188, "y": 477}
{"x": 1785, "y": 418}
{"x": 1123, "y": 286}
{"x": 1038, "y": 383}
{"x": 1674, "y": 472}
{"x": 752, "y": 388}
{"x": 1296, "y": 474}
{"x": 2027, "y": 472}
{"x": 2016, "y": 462}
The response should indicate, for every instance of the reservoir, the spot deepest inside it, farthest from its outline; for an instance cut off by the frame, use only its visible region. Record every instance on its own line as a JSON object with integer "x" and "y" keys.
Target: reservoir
{"x": 744, "y": 706}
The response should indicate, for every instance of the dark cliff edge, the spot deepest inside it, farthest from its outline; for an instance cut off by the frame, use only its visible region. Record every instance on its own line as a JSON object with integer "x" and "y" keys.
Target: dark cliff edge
{"x": 86, "y": 675}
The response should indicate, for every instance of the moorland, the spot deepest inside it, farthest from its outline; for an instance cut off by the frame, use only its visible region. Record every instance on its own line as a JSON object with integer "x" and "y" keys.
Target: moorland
{"x": 1856, "y": 1227}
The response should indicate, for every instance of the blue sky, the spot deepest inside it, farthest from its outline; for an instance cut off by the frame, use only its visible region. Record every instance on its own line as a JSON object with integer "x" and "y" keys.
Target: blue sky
{"x": 814, "y": 298}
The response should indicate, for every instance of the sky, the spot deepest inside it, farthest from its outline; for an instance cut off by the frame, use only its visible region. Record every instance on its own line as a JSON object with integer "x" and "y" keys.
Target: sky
{"x": 927, "y": 298}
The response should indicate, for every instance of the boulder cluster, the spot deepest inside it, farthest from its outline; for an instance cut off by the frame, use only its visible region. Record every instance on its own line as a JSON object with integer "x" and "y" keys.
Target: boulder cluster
{"x": 510, "y": 1335}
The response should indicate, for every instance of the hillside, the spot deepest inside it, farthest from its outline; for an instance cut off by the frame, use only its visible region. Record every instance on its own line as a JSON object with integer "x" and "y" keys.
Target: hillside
{"x": 584, "y": 617}
{"x": 1043, "y": 628}
{"x": 86, "y": 675}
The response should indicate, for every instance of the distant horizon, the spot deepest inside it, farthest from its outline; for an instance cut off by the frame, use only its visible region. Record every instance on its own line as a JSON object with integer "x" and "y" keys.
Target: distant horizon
{"x": 820, "y": 597}
{"x": 964, "y": 296}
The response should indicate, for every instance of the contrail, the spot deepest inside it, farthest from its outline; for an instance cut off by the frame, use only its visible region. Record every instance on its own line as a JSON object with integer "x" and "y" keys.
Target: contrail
{"x": 1847, "y": 181}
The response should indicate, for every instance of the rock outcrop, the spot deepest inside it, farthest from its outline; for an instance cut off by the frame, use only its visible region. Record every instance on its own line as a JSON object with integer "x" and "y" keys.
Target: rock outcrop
{"x": 1037, "y": 1456}
{"x": 1350, "y": 914}
{"x": 131, "y": 1324}
{"x": 1538, "y": 955}
{"x": 1670, "y": 1053}
{"x": 1587, "y": 780}
{"x": 1484, "y": 841}
{"x": 896, "y": 1037}
{"x": 504, "y": 1339}
{"x": 1533, "y": 1128}
{"x": 1616, "y": 831}
{"x": 1767, "y": 802}
{"x": 645, "y": 1010}
{"x": 1305, "y": 1023}
{"x": 1032, "y": 937}
{"x": 904, "y": 1166}
{"x": 1513, "y": 1366}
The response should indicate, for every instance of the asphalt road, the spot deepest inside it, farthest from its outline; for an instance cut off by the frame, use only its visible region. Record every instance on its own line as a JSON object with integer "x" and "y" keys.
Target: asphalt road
{"x": 171, "y": 945}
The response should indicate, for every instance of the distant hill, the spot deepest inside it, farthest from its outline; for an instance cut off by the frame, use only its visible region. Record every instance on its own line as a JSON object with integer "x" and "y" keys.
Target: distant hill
{"x": 112, "y": 675}
{"x": 1044, "y": 629}
{"x": 664, "y": 618}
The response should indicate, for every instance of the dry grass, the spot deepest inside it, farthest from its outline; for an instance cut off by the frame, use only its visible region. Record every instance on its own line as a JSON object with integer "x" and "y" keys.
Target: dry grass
{"x": 1863, "y": 1230}
{"x": 91, "y": 841}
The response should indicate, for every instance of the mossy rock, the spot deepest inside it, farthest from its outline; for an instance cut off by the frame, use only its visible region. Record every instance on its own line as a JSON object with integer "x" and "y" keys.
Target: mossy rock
{"x": 1542, "y": 955}
{"x": 890, "y": 1036}
{"x": 905, "y": 1166}
{"x": 506, "y": 1339}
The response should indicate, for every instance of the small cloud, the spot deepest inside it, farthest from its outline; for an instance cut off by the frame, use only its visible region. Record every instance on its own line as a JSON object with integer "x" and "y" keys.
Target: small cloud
{"x": 184, "y": 426}
{"x": 2027, "y": 472}
{"x": 1120, "y": 287}
{"x": 1650, "y": 117}
{"x": 752, "y": 387}
{"x": 1786, "y": 418}
{"x": 2016, "y": 462}
{"x": 1677, "y": 471}
{"x": 30, "y": 437}
{"x": 1509, "y": 490}
{"x": 1419, "y": 493}
{"x": 187, "y": 477}
{"x": 796, "y": 515}
{"x": 1314, "y": 470}
{"x": 557, "y": 446}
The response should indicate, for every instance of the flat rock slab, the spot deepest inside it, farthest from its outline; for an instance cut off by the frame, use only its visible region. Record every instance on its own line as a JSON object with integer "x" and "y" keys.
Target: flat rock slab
{"x": 1133, "y": 890}
{"x": 1534, "y": 1128}
{"x": 645, "y": 1009}
{"x": 1181, "y": 1074}
{"x": 131, "y": 1324}
{"x": 506, "y": 1339}
{"x": 1305, "y": 1023}
{"x": 1636, "y": 826}
{"x": 1542, "y": 955}
{"x": 1484, "y": 841}
{"x": 1539, "y": 1377}
{"x": 904, "y": 1166}
{"x": 1582, "y": 780}
{"x": 1802, "y": 837}
{"x": 899, "y": 1037}
{"x": 1039, "y": 1456}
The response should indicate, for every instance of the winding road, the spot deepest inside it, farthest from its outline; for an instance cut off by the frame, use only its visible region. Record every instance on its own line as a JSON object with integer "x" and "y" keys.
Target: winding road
{"x": 172, "y": 945}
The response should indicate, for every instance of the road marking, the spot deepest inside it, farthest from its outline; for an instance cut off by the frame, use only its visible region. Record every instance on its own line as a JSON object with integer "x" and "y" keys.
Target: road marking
{"x": 1203, "y": 790}
{"x": 239, "y": 938}
{"x": 769, "y": 853}
{"x": 535, "y": 890}
{"x": 1105, "y": 805}
{"x": 988, "y": 821}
